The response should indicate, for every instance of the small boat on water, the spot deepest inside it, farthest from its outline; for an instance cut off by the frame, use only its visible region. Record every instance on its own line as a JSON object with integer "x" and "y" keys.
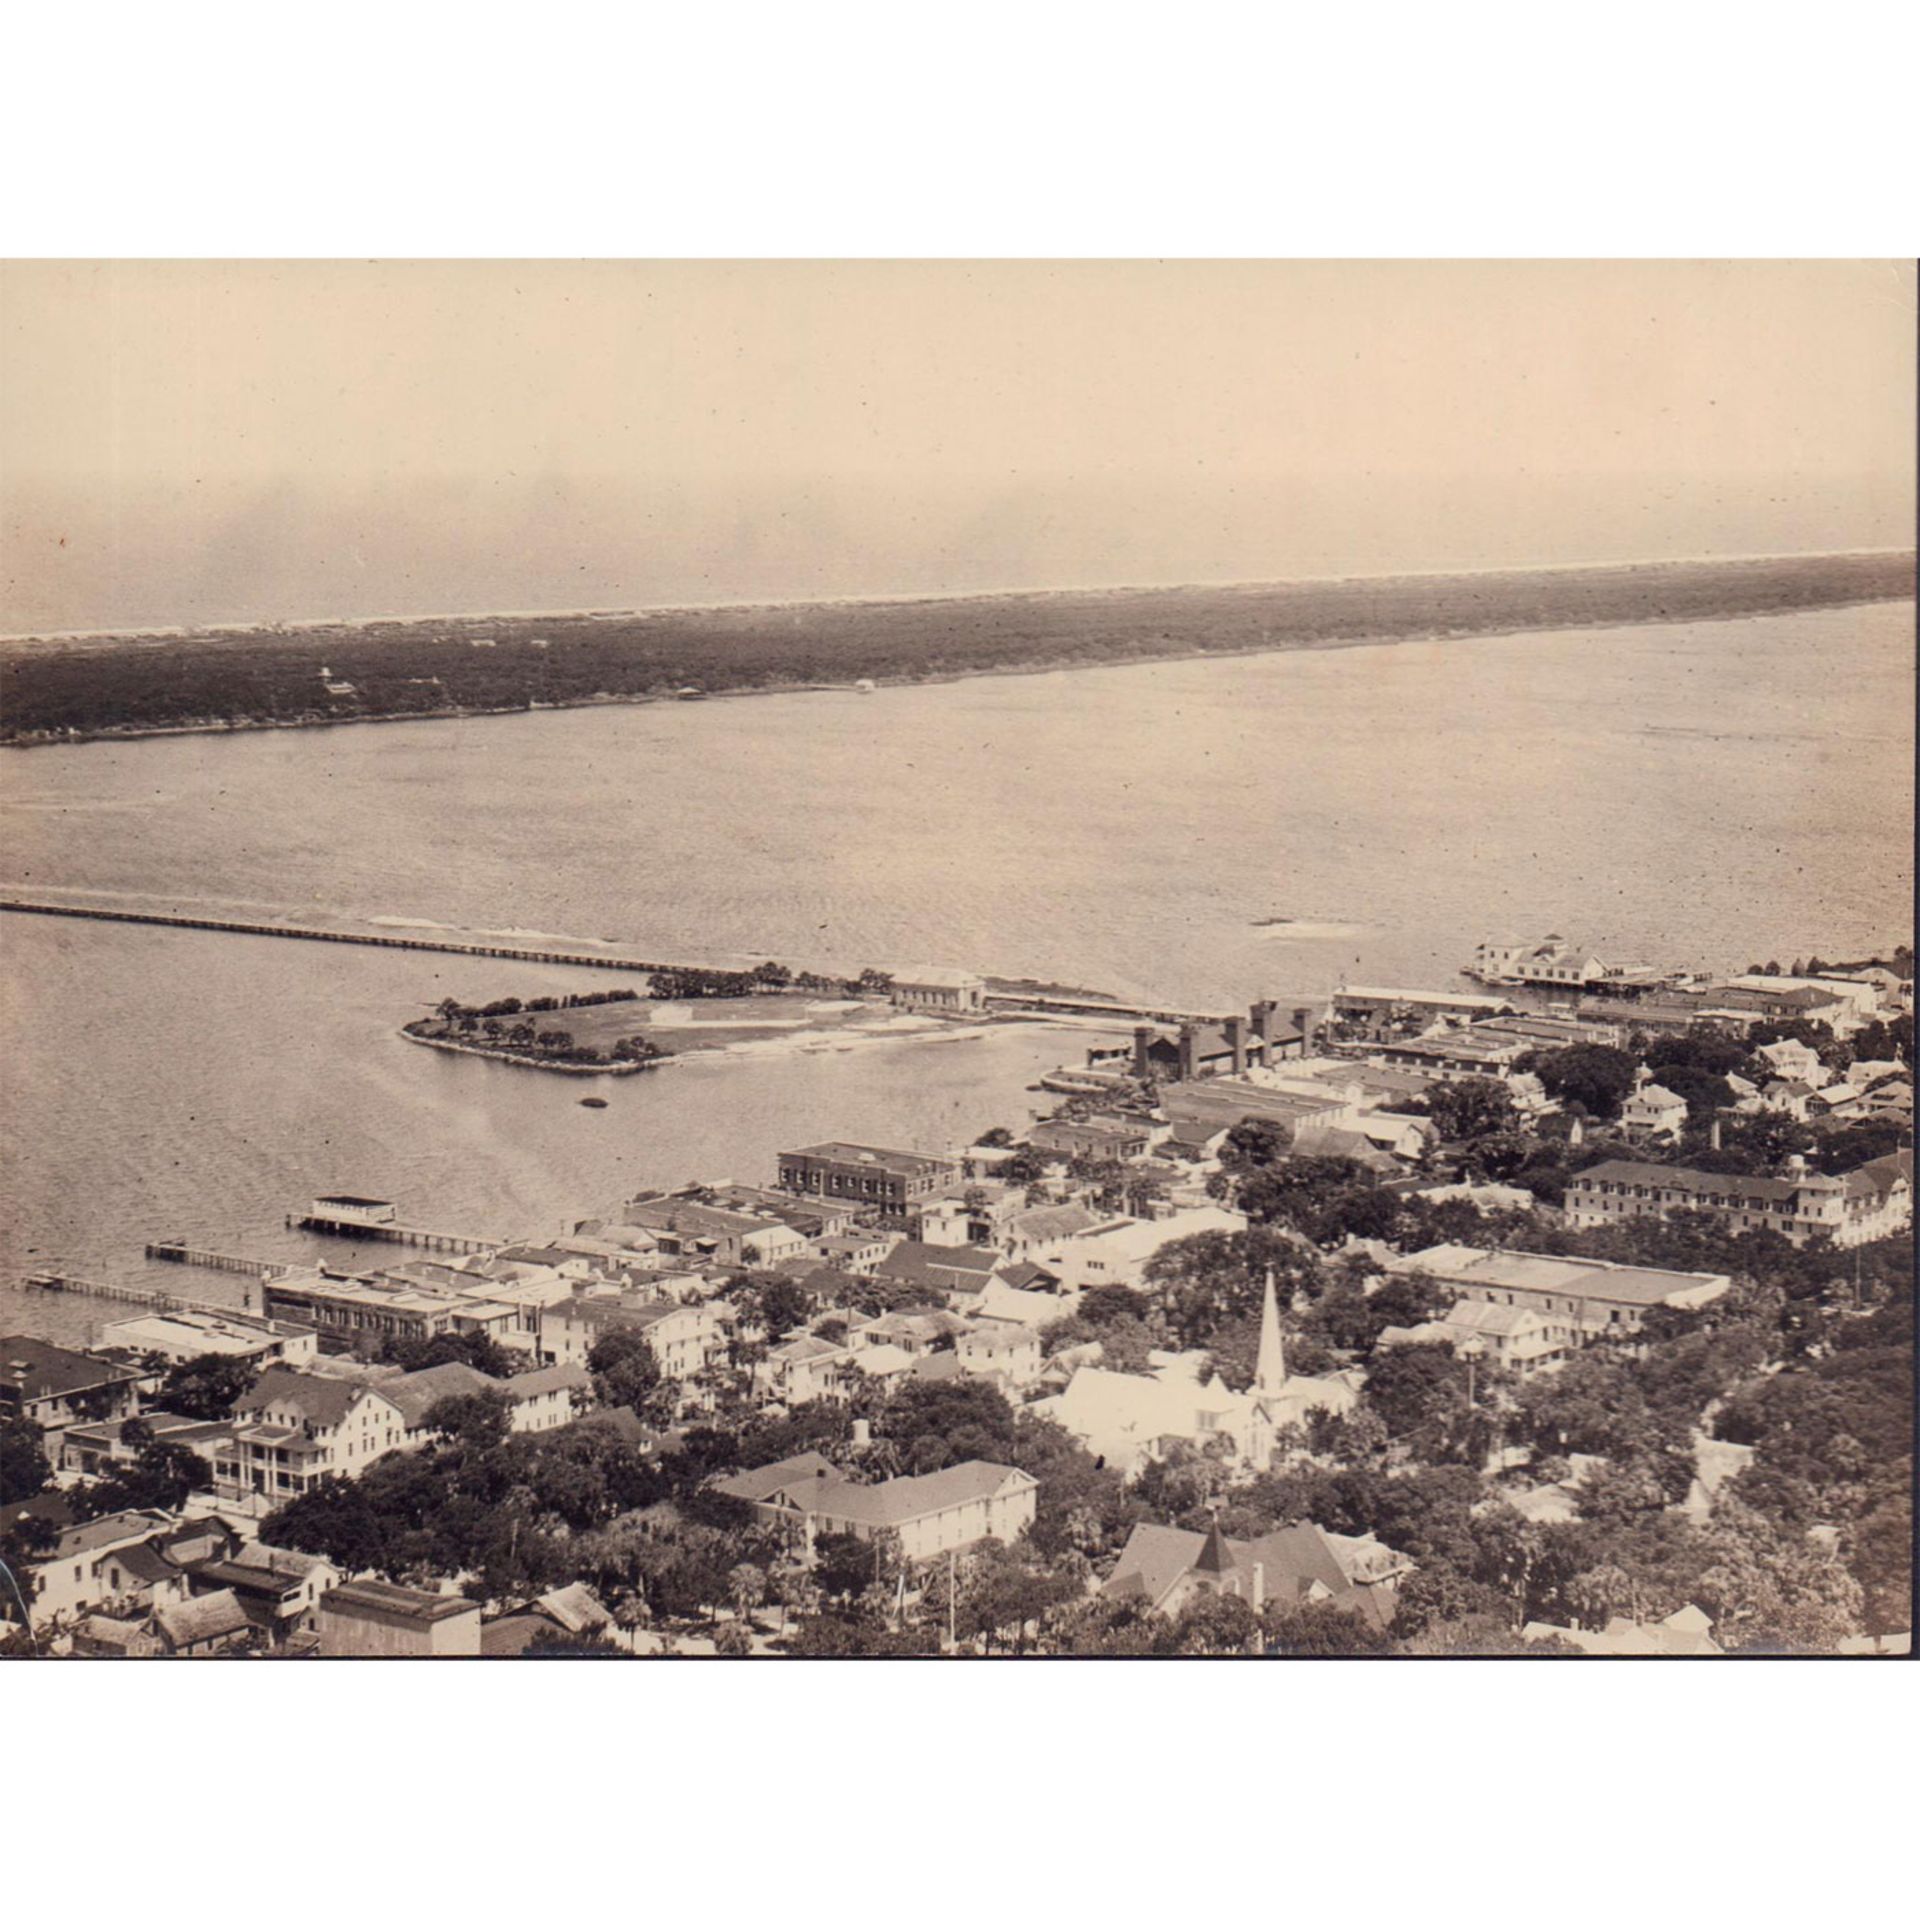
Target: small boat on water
{"x": 53, "y": 1282}
{"x": 593, "y": 1100}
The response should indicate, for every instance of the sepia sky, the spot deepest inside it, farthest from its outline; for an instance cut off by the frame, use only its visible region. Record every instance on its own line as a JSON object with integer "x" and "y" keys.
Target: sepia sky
{"x": 185, "y": 443}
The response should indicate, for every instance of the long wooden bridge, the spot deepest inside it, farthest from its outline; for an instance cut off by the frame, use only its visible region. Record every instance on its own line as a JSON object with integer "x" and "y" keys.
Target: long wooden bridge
{"x": 408, "y": 942}
{"x": 154, "y": 1297}
{"x": 183, "y": 1255}
{"x": 998, "y": 999}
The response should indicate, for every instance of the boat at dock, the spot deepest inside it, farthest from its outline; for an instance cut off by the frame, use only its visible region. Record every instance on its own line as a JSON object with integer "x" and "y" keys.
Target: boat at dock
{"x": 593, "y": 1100}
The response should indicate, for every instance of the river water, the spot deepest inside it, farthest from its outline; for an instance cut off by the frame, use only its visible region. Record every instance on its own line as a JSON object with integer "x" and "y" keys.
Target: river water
{"x": 1712, "y": 795}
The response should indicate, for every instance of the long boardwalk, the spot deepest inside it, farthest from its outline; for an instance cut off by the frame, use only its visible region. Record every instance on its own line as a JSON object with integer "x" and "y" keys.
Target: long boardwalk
{"x": 1046, "y": 1003}
{"x": 413, "y": 942}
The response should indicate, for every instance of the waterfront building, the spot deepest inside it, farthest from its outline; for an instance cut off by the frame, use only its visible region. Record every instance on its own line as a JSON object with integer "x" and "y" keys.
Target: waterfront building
{"x": 1580, "y": 1300}
{"x": 1389, "y": 1009}
{"x": 1806, "y": 1207}
{"x": 811, "y": 1217}
{"x": 938, "y": 990}
{"x": 686, "y": 1227}
{"x": 343, "y": 1305}
{"x": 1205, "y": 1049}
{"x": 881, "y": 1180}
{"x": 1552, "y": 962}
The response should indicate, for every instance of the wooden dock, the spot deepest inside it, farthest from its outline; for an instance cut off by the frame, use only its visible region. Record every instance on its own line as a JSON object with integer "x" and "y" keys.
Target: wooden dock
{"x": 410, "y": 942}
{"x": 114, "y": 1290}
{"x": 401, "y": 1232}
{"x": 186, "y": 1256}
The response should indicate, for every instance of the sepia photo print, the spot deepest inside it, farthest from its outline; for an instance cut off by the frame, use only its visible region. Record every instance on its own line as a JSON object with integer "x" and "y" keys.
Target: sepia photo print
{"x": 884, "y": 959}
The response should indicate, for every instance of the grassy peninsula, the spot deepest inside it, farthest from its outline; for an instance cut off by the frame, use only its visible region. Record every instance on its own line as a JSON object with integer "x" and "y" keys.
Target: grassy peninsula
{"x": 75, "y": 687}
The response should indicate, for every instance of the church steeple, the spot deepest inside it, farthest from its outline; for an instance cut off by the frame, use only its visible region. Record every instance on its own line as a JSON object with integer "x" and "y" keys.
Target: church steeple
{"x": 1270, "y": 1373}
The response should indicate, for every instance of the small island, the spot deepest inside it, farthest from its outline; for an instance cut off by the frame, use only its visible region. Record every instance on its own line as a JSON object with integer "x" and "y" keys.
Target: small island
{"x": 683, "y": 1010}
{"x": 539, "y": 1033}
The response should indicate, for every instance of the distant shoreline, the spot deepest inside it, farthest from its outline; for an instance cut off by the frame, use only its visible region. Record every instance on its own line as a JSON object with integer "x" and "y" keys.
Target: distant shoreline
{"x": 265, "y": 679}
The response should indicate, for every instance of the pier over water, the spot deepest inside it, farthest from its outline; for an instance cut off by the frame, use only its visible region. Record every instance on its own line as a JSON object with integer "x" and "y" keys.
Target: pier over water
{"x": 1000, "y": 998}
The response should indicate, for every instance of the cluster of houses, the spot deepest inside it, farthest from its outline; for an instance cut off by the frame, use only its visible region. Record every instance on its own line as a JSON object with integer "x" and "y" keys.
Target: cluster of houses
{"x": 909, "y": 1267}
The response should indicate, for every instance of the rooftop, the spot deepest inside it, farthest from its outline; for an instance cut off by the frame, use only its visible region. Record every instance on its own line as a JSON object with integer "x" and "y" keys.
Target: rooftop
{"x": 383, "y": 1600}
{"x": 324, "y": 1401}
{"x": 896, "y": 1503}
{"x": 884, "y": 1159}
{"x": 1556, "y": 1273}
{"x": 39, "y": 1370}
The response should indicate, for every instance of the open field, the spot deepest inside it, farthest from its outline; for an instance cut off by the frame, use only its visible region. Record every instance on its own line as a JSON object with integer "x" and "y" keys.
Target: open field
{"x": 78, "y": 687}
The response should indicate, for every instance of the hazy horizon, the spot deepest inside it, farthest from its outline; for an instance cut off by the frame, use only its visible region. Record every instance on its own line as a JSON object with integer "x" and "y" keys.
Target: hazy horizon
{"x": 205, "y": 444}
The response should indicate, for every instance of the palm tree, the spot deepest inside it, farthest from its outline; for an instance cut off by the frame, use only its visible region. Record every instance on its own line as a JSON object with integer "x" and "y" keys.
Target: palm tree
{"x": 747, "y": 1587}
{"x": 633, "y": 1613}
{"x": 793, "y": 1587}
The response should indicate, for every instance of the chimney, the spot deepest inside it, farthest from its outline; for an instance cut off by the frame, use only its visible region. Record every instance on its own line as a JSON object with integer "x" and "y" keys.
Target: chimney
{"x": 1261, "y": 1015}
{"x": 1713, "y": 1133}
{"x": 1142, "y": 1045}
{"x": 1235, "y": 1028}
{"x": 1188, "y": 1057}
{"x": 1259, "y": 1585}
{"x": 1304, "y": 1023}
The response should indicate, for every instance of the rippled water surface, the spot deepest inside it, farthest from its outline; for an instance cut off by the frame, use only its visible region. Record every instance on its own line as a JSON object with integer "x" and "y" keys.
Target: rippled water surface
{"x": 1712, "y": 794}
